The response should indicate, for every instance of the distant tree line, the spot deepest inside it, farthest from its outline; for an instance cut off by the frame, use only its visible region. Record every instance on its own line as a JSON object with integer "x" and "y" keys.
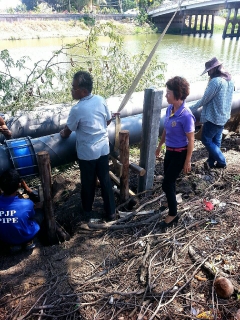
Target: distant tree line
{"x": 80, "y": 5}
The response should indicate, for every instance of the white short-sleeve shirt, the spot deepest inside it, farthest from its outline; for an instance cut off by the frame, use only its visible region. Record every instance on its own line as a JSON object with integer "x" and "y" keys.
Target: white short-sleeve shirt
{"x": 88, "y": 118}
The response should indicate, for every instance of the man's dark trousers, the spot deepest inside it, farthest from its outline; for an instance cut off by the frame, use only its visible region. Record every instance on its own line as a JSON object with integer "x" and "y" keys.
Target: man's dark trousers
{"x": 90, "y": 169}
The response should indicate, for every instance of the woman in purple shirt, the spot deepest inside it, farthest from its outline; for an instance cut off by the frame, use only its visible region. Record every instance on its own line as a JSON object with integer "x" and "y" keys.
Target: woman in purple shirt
{"x": 178, "y": 135}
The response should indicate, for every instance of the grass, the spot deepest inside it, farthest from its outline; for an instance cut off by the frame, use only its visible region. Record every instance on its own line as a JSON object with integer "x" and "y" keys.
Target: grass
{"x": 134, "y": 150}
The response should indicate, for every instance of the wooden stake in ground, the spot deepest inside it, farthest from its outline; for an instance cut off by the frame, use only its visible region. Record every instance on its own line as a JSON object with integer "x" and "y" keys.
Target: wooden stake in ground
{"x": 124, "y": 159}
{"x": 54, "y": 231}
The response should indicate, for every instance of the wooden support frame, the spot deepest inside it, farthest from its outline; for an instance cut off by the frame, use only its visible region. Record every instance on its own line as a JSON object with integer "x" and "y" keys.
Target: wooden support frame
{"x": 117, "y": 181}
{"x": 134, "y": 167}
{"x": 117, "y": 166}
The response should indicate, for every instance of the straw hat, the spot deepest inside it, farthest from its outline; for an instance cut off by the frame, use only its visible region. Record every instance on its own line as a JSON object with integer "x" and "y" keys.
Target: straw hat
{"x": 211, "y": 64}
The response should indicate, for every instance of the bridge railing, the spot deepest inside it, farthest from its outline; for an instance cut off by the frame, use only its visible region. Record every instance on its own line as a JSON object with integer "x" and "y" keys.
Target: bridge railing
{"x": 174, "y": 4}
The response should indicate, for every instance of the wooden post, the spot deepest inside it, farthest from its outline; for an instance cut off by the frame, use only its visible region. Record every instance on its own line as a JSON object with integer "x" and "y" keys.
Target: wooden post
{"x": 151, "y": 117}
{"x": 124, "y": 159}
{"x": 46, "y": 179}
{"x": 55, "y": 232}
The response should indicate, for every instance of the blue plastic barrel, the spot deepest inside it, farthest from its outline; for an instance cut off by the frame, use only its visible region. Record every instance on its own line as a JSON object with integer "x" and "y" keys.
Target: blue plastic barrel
{"x": 23, "y": 156}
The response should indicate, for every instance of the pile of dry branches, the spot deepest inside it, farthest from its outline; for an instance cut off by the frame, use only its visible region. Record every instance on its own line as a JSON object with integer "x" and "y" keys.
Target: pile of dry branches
{"x": 131, "y": 268}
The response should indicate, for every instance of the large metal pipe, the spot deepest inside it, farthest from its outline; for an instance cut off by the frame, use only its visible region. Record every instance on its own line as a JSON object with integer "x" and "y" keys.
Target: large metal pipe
{"x": 50, "y": 119}
{"x": 21, "y": 153}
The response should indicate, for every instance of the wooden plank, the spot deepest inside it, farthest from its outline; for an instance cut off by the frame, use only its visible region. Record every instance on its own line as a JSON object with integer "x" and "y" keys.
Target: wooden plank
{"x": 117, "y": 181}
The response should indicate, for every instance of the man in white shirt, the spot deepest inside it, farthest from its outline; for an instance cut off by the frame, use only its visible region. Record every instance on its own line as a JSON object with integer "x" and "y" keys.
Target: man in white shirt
{"x": 89, "y": 118}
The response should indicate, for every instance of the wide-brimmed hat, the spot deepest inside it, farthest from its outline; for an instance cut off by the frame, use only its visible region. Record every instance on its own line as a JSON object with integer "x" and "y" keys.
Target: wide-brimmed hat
{"x": 211, "y": 64}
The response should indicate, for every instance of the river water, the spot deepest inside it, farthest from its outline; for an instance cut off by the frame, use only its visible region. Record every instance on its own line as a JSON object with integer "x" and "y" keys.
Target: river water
{"x": 184, "y": 55}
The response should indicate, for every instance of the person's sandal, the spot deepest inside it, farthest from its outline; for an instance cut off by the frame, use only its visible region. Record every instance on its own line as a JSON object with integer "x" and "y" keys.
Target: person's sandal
{"x": 165, "y": 225}
{"x": 30, "y": 245}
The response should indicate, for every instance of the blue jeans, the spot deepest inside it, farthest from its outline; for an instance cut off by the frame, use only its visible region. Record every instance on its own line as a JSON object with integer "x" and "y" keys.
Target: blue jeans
{"x": 211, "y": 138}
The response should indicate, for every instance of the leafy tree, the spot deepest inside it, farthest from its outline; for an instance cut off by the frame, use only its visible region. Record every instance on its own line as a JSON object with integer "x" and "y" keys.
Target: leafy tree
{"x": 113, "y": 70}
{"x": 128, "y": 4}
{"x": 30, "y": 4}
{"x": 21, "y": 8}
{"x": 146, "y": 4}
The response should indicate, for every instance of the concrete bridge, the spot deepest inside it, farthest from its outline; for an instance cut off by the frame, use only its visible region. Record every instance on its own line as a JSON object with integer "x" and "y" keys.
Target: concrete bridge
{"x": 197, "y": 17}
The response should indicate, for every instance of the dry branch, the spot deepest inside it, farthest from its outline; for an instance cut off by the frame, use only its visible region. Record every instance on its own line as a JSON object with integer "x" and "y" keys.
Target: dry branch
{"x": 211, "y": 269}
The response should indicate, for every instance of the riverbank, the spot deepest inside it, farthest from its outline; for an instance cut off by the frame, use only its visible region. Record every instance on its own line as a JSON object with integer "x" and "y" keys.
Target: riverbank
{"x": 39, "y": 29}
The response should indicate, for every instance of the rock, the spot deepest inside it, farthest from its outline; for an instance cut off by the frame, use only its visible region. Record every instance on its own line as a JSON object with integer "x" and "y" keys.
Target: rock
{"x": 237, "y": 140}
{"x": 223, "y": 287}
{"x": 237, "y": 316}
{"x": 159, "y": 178}
{"x": 225, "y": 133}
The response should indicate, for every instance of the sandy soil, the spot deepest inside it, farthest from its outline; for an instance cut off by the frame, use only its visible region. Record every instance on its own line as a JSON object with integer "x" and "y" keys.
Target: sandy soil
{"x": 132, "y": 269}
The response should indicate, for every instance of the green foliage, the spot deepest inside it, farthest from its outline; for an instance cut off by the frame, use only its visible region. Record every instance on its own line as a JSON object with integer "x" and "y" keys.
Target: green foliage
{"x": 10, "y": 10}
{"x": 128, "y": 4}
{"x": 143, "y": 20}
{"x": 89, "y": 21}
{"x": 21, "y": 8}
{"x": 16, "y": 93}
{"x": 30, "y": 4}
{"x": 134, "y": 150}
{"x": 107, "y": 10}
{"x": 142, "y": 17}
{"x": 224, "y": 14}
{"x": 112, "y": 68}
{"x": 146, "y": 4}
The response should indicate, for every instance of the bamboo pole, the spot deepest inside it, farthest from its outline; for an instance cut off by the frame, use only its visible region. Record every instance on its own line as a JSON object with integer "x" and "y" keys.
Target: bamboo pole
{"x": 146, "y": 63}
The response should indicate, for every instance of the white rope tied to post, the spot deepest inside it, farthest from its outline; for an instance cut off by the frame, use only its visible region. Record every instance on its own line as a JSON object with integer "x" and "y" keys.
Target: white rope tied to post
{"x": 146, "y": 63}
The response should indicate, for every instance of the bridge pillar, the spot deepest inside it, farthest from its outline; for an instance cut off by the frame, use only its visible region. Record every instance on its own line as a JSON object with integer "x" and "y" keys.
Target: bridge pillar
{"x": 212, "y": 24}
{"x": 232, "y": 22}
{"x": 201, "y": 23}
{"x": 195, "y": 24}
{"x": 204, "y": 24}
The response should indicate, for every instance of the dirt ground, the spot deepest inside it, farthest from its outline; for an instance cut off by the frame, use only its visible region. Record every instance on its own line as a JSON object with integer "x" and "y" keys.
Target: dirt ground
{"x": 132, "y": 269}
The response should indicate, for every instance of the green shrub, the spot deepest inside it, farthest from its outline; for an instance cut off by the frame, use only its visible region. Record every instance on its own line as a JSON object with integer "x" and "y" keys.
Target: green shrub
{"x": 112, "y": 67}
{"x": 89, "y": 21}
